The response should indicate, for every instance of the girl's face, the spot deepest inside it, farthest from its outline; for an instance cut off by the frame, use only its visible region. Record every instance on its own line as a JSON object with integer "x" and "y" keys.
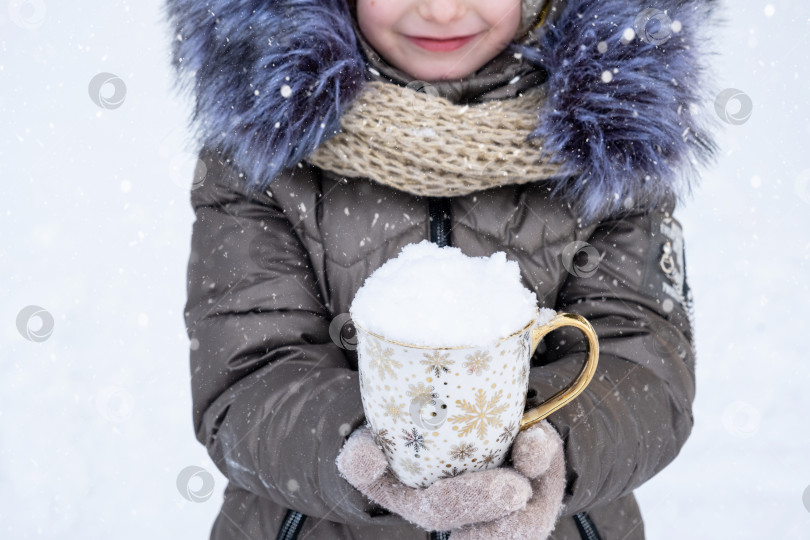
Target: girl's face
{"x": 415, "y": 35}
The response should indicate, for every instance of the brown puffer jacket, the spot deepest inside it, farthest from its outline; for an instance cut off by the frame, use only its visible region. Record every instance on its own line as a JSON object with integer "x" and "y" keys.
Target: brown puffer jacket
{"x": 275, "y": 397}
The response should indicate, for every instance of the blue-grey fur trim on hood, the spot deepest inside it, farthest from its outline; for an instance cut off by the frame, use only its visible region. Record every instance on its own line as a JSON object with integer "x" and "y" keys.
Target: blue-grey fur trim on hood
{"x": 638, "y": 136}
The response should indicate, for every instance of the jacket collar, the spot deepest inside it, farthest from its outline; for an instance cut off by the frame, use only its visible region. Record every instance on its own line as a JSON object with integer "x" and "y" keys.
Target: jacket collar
{"x": 272, "y": 79}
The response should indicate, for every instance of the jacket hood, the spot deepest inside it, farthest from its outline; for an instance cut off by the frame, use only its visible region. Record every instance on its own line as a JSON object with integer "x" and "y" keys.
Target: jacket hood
{"x": 627, "y": 85}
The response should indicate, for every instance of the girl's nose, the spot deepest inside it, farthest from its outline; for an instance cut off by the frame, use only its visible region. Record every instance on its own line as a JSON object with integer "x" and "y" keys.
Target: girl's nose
{"x": 442, "y": 11}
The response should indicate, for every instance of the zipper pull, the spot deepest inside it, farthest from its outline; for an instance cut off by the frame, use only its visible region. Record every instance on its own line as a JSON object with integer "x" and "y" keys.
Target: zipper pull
{"x": 667, "y": 262}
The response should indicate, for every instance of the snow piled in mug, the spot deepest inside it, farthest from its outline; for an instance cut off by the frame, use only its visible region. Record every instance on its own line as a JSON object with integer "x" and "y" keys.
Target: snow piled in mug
{"x": 437, "y": 296}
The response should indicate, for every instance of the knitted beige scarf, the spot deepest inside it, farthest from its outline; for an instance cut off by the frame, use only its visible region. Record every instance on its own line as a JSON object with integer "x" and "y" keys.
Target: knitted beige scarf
{"x": 426, "y": 145}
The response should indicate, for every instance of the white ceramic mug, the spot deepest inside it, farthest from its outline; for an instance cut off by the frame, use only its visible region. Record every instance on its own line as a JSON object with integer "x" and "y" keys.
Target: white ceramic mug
{"x": 439, "y": 411}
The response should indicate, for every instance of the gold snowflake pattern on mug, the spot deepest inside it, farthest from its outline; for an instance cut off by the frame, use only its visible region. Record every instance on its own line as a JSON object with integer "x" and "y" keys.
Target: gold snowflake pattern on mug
{"x": 394, "y": 410}
{"x": 462, "y": 451}
{"x": 384, "y": 441}
{"x": 436, "y": 413}
{"x": 487, "y": 460}
{"x": 412, "y": 466}
{"x": 478, "y": 416}
{"x": 450, "y": 473}
{"x": 421, "y": 392}
{"x": 437, "y": 363}
{"x": 477, "y": 362}
{"x": 381, "y": 359}
{"x": 522, "y": 346}
{"x": 506, "y": 434}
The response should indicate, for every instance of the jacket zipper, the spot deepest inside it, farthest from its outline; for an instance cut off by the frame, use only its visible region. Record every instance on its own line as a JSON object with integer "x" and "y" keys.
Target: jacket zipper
{"x": 440, "y": 224}
{"x": 291, "y": 526}
{"x": 586, "y": 527}
{"x": 439, "y": 213}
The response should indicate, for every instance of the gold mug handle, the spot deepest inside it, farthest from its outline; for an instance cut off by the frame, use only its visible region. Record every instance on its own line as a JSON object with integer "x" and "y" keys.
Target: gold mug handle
{"x": 579, "y": 384}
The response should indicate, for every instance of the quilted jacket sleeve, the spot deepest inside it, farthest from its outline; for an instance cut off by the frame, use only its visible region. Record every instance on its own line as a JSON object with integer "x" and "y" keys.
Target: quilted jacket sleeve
{"x": 636, "y": 414}
{"x": 274, "y": 398}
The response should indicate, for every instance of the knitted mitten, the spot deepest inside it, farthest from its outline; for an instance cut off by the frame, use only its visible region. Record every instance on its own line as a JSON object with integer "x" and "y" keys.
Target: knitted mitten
{"x": 538, "y": 454}
{"x": 448, "y": 503}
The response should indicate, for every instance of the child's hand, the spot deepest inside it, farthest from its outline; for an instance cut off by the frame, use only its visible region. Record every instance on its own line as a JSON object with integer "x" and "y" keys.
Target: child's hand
{"x": 448, "y": 503}
{"x": 538, "y": 454}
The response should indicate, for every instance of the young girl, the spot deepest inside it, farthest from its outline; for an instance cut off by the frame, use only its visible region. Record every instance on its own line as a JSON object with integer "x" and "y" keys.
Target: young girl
{"x": 334, "y": 133}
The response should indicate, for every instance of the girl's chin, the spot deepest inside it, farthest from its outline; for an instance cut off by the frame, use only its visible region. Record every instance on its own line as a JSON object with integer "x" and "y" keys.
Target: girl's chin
{"x": 431, "y": 69}
{"x": 435, "y": 75}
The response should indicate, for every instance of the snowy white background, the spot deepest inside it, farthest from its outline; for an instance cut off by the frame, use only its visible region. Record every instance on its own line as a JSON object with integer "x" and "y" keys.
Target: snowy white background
{"x": 95, "y": 422}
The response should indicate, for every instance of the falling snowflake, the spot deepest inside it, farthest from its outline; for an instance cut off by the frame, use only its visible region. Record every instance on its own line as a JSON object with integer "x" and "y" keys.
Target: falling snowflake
{"x": 462, "y": 451}
{"x": 480, "y": 415}
{"x": 394, "y": 410}
{"x": 412, "y": 466}
{"x": 384, "y": 441}
{"x": 422, "y": 393}
{"x": 381, "y": 360}
{"x": 488, "y": 459}
{"x": 437, "y": 362}
{"x": 414, "y": 439}
{"x": 477, "y": 362}
{"x": 506, "y": 434}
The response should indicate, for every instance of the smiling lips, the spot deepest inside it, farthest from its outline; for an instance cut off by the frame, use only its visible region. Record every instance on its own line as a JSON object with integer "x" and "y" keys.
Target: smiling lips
{"x": 441, "y": 45}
